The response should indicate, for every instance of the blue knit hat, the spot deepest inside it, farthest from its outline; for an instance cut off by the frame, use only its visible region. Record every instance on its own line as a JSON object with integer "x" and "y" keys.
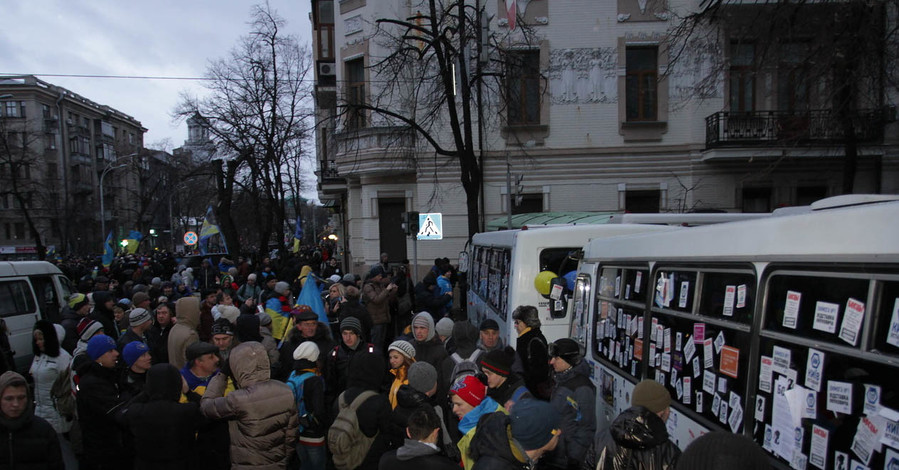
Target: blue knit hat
{"x": 99, "y": 345}
{"x": 133, "y": 351}
{"x": 534, "y": 423}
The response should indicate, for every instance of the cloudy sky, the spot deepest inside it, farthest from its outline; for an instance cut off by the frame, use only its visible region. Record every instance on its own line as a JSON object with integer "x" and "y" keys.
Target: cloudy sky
{"x": 161, "y": 38}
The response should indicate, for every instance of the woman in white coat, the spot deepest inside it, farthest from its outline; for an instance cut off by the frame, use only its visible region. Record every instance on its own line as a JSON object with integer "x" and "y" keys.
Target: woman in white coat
{"x": 53, "y": 382}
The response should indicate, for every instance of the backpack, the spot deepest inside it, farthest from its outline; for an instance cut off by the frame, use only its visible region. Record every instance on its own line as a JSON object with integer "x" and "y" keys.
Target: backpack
{"x": 465, "y": 367}
{"x": 296, "y": 382}
{"x": 345, "y": 440}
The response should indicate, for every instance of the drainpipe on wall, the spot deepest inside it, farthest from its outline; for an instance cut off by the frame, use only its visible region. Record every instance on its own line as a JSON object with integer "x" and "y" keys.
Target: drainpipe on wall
{"x": 64, "y": 226}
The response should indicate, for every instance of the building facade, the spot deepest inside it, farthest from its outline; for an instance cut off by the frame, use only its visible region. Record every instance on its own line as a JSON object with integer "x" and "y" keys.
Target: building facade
{"x": 602, "y": 109}
{"x": 59, "y": 148}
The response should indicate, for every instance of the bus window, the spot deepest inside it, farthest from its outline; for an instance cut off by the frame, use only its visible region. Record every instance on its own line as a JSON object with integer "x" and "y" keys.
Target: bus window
{"x": 886, "y": 333}
{"x": 634, "y": 285}
{"x": 674, "y": 290}
{"x": 579, "y": 326}
{"x": 15, "y": 298}
{"x": 728, "y": 296}
{"x": 813, "y": 306}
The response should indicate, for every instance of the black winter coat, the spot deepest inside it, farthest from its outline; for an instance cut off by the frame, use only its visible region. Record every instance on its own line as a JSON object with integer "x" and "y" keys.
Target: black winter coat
{"x": 533, "y": 353}
{"x": 164, "y": 434}
{"x": 366, "y": 373}
{"x": 322, "y": 338}
{"x": 29, "y": 443}
{"x": 98, "y": 400}
{"x": 491, "y": 448}
{"x": 637, "y": 438}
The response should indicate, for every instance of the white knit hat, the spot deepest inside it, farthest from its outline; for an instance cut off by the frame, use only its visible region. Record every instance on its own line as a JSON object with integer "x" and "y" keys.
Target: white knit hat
{"x": 306, "y": 350}
{"x": 403, "y": 347}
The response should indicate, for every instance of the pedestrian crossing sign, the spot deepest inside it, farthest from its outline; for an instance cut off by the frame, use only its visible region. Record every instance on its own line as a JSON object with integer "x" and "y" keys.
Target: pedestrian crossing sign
{"x": 430, "y": 226}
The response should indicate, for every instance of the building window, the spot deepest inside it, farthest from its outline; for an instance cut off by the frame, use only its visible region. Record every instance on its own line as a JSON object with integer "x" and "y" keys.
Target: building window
{"x": 20, "y": 231}
{"x": 14, "y": 109}
{"x": 756, "y": 199}
{"x": 523, "y": 91}
{"x": 324, "y": 23}
{"x": 642, "y": 201}
{"x": 355, "y": 71}
{"x": 528, "y": 204}
{"x": 7, "y": 229}
{"x": 45, "y": 111}
{"x": 641, "y": 83}
{"x": 793, "y": 78}
{"x": 742, "y": 77}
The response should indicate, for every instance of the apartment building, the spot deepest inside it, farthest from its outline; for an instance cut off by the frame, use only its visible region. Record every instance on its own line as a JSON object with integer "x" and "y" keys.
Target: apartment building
{"x": 602, "y": 108}
{"x": 59, "y": 147}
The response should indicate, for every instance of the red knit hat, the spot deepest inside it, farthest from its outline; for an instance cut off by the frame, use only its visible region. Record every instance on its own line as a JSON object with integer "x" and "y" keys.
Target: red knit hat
{"x": 469, "y": 389}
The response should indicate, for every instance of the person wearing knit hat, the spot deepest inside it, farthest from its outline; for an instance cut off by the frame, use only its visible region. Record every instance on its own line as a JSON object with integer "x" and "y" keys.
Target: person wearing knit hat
{"x": 444, "y": 328}
{"x": 428, "y": 347}
{"x": 727, "y": 450}
{"x": 423, "y": 378}
{"x": 138, "y": 359}
{"x": 489, "y": 336}
{"x": 306, "y": 383}
{"x": 573, "y": 399}
{"x": 351, "y": 343}
{"x": 400, "y": 355}
{"x": 503, "y": 385}
{"x": 533, "y": 351}
{"x": 78, "y": 308}
{"x": 351, "y": 324}
{"x": 470, "y": 401}
{"x": 87, "y": 329}
{"x": 98, "y": 398}
{"x": 78, "y": 300}
{"x": 639, "y": 434}
{"x": 223, "y": 337}
{"x": 305, "y": 327}
{"x": 140, "y": 322}
{"x": 140, "y": 299}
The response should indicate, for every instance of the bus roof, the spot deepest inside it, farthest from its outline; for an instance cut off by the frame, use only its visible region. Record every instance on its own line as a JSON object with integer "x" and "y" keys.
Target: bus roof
{"x": 567, "y": 235}
{"x": 859, "y": 233}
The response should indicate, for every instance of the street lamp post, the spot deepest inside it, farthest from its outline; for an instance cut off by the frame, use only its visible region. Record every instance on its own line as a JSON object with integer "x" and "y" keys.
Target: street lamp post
{"x": 111, "y": 166}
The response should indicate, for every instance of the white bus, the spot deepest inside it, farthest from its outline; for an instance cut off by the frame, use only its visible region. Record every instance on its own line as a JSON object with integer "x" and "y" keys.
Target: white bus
{"x": 785, "y": 329}
{"x": 30, "y": 291}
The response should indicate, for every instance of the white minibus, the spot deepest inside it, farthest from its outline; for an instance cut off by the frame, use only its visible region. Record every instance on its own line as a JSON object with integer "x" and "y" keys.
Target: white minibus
{"x": 784, "y": 328}
{"x": 29, "y": 291}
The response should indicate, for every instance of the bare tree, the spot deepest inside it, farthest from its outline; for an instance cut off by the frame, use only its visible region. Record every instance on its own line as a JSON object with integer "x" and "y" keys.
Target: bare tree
{"x": 834, "y": 64}
{"x": 258, "y": 114}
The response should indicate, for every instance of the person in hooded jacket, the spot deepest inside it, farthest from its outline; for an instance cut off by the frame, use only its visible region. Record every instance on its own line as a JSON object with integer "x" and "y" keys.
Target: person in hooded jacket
{"x": 262, "y": 412}
{"x": 426, "y": 298}
{"x": 518, "y": 440}
{"x": 465, "y": 336}
{"x": 421, "y": 391}
{"x": 470, "y": 403}
{"x": 574, "y": 400}
{"x": 419, "y": 450}
{"x": 533, "y": 352}
{"x": 366, "y": 373}
{"x": 163, "y": 430}
{"x": 52, "y": 374}
{"x": 428, "y": 347}
{"x": 103, "y": 305}
{"x": 184, "y": 333}
{"x": 26, "y": 441}
{"x": 638, "y": 437}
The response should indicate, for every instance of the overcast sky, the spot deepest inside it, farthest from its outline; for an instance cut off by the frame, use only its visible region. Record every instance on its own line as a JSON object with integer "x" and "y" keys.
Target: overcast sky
{"x": 112, "y": 37}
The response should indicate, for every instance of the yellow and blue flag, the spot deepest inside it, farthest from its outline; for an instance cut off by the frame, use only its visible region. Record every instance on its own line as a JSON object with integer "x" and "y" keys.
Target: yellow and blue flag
{"x": 108, "y": 252}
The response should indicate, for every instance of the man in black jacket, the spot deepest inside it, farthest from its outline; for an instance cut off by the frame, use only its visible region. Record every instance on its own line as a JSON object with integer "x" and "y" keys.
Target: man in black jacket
{"x": 533, "y": 352}
{"x": 419, "y": 451}
{"x": 26, "y": 441}
{"x": 98, "y": 398}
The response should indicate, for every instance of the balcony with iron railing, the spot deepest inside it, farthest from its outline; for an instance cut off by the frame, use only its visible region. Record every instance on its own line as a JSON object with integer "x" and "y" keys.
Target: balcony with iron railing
{"x": 374, "y": 150}
{"x": 788, "y": 128}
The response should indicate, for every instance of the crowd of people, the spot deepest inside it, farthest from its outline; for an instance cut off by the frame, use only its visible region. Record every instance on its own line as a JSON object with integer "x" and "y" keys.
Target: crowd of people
{"x": 219, "y": 367}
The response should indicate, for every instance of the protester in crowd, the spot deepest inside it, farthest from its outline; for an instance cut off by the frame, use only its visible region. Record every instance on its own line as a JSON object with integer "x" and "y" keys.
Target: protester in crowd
{"x": 400, "y": 355}
{"x": 140, "y": 320}
{"x": 307, "y": 328}
{"x": 444, "y": 329}
{"x": 87, "y": 329}
{"x": 102, "y": 312}
{"x": 78, "y": 307}
{"x": 271, "y": 346}
{"x": 224, "y": 306}
{"x": 26, "y": 440}
{"x": 465, "y": 358}
{"x": 264, "y": 430}
{"x": 574, "y": 400}
{"x": 532, "y": 349}
{"x": 503, "y": 385}
{"x": 163, "y": 430}
{"x": 427, "y": 298}
{"x": 638, "y": 436}
{"x": 428, "y": 347}
{"x": 377, "y": 294}
{"x": 338, "y": 363}
{"x": 489, "y": 336}
{"x": 724, "y": 450}
{"x": 223, "y": 337}
{"x": 279, "y": 306}
{"x": 336, "y": 294}
{"x": 98, "y": 399}
{"x": 53, "y": 394}
{"x": 308, "y": 389}
{"x": 445, "y": 287}
{"x": 419, "y": 451}
{"x": 138, "y": 360}
{"x": 533, "y": 428}
{"x": 421, "y": 391}
{"x": 208, "y": 299}
{"x": 366, "y": 374}
{"x": 351, "y": 306}
{"x": 158, "y": 336}
{"x": 184, "y": 333}
{"x": 249, "y": 291}
{"x": 470, "y": 403}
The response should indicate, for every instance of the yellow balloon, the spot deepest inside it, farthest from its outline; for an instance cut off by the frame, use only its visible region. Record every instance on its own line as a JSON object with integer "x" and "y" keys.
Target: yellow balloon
{"x": 543, "y": 282}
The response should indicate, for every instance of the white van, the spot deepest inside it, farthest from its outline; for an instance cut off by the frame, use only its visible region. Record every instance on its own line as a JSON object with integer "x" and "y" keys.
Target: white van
{"x": 29, "y": 291}
{"x": 758, "y": 328}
